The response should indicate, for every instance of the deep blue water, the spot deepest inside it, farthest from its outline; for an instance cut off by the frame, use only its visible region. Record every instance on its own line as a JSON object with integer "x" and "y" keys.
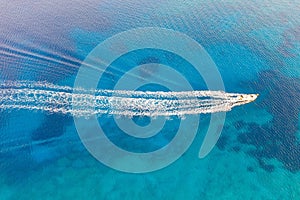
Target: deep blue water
{"x": 256, "y": 47}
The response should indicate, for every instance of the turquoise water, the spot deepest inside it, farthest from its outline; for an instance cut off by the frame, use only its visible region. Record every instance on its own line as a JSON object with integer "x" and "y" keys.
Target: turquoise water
{"x": 256, "y": 47}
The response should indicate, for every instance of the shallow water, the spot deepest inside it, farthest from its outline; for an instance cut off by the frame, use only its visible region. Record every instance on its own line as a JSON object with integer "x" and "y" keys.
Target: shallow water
{"x": 256, "y": 47}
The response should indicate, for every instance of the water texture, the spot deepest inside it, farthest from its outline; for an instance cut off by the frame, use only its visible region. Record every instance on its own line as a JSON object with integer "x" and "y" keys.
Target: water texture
{"x": 256, "y": 47}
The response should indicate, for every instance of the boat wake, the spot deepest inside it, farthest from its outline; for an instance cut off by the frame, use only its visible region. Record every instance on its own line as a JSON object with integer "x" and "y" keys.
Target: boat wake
{"x": 80, "y": 102}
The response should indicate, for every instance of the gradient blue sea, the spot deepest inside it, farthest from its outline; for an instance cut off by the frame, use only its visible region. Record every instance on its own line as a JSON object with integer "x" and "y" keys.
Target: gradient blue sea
{"x": 256, "y": 47}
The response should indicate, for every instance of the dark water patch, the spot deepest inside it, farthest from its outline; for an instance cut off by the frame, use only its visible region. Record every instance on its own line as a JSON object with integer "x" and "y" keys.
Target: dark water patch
{"x": 53, "y": 126}
{"x": 266, "y": 167}
{"x": 16, "y": 166}
{"x": 257, "y": 137}
{"x": 236, "y": 148}
{"x": 222, "y": 142}
{"x": 250, "y": 169}
{"x": 278, "y": 139}
{"x": 140, "y": 145}
{"x": 239, "y": 124}
{"x": 291, "y": 37}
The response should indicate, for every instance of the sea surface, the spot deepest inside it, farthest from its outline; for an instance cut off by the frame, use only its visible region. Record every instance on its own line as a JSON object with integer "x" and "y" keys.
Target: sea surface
{"x": 256, "y": 48}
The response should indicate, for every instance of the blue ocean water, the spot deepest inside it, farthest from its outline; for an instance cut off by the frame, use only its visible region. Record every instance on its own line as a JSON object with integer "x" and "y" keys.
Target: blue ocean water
{"x": 256, "y": 47}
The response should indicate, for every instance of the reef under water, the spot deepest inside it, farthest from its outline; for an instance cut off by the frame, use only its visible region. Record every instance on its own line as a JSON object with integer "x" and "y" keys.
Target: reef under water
{"x": 277, "y": 139}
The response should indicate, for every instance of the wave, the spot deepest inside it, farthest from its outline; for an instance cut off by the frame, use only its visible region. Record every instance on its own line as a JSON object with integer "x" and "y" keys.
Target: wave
{"x": 81, "y": 102}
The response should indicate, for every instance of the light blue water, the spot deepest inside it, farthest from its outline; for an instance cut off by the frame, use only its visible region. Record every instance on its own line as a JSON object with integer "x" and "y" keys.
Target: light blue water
{"x": 256, "y": 47}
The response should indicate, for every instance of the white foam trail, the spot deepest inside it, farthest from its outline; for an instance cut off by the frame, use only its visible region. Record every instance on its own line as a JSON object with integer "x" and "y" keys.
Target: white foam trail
{"x": 80, "y": 102}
